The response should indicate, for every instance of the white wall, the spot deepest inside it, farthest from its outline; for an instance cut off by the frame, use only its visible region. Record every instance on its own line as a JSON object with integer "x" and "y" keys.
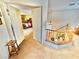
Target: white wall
{"x": 44, "y": 17}
{"x": 4, "y": 37}
{"x": 43, "y": 3}
{"x": 7, "y": 20}
{"x": 63, "y": 4}
{"x": 16, "y": 23}
{"x": 63, "y": 17}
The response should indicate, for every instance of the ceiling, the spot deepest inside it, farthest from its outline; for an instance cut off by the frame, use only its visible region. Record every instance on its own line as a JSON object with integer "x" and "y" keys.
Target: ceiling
{"x": 63, "y": 4}
{"x": 23, "y": 7}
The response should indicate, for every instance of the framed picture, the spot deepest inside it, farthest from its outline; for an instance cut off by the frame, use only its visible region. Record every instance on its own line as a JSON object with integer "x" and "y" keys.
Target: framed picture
{"x": 26, "y": 22}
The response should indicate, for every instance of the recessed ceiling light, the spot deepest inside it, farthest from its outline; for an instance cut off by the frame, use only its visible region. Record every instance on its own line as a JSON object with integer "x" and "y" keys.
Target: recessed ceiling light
{"x": 72, "y": 4}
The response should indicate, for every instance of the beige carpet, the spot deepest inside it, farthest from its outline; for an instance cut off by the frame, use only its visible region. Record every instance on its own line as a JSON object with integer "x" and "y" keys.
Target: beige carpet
{"x": 32, "y": 49}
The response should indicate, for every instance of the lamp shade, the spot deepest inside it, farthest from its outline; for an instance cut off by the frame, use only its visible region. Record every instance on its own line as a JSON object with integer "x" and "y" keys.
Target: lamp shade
{"x": 76, "y": 31}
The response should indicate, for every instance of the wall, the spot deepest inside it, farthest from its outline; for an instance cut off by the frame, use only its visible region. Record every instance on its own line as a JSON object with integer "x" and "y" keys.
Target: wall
{"x": 43, "y": 3}
{"x": 44, "y": 19}
{"x": 7, "y": 31}
{"x": 63, "y": 17}
{"x": 16, "y": 23}
{"x": 7, "y": 20}
{"x": 4, "y": 37}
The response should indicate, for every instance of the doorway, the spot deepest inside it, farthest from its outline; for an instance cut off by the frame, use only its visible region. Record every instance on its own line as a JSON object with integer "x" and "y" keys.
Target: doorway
{"x": 29, "y": 19}
{"x": 26, "y": 21}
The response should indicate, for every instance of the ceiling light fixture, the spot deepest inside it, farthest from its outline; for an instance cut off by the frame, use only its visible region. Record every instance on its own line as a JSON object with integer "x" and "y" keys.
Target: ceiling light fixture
{"x": 72, "y": 4}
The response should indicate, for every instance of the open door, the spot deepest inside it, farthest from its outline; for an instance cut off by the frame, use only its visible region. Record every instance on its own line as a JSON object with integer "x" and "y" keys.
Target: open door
{"x": 37, "y": 24}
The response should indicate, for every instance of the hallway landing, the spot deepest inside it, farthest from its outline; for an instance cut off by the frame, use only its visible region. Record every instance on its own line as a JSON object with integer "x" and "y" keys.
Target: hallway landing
{"x": 32, "y": 49}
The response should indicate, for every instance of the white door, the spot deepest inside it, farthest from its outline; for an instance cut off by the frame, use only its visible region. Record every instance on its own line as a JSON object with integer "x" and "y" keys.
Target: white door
{"x": 37, "y": 24}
